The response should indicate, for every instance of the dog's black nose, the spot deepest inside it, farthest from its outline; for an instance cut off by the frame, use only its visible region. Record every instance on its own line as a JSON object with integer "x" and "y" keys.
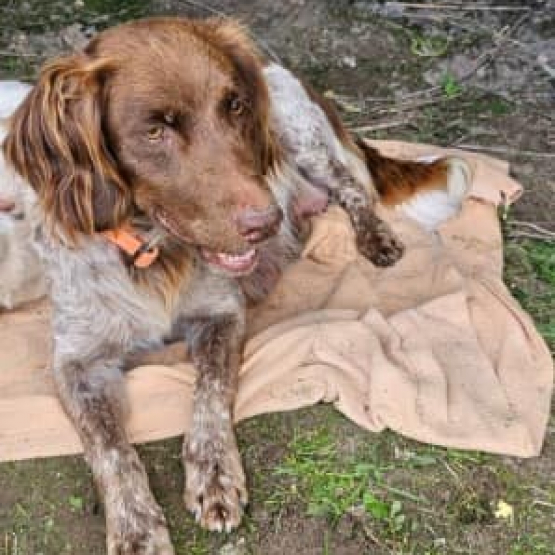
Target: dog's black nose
{"x": 256, "y": 225}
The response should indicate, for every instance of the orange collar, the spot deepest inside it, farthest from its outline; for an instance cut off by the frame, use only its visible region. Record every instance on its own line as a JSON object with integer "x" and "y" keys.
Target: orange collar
{"x": 131, "y": 244}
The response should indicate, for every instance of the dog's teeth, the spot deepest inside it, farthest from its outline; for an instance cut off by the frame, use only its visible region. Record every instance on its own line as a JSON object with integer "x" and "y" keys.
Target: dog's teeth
{"x": 233, "y": 262}
{"x": 238, "y": 258}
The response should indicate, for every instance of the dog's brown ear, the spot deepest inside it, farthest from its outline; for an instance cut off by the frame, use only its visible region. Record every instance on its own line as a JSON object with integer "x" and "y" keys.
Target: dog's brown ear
{"x": 234, "y": 39}
{"x": 56, "y": 142}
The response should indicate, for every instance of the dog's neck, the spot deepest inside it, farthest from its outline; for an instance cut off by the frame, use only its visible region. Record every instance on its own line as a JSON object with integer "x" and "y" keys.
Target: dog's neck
{"x": 139, "y": 239}
{"x": 156, "y": 261}
{"x": 137, "y": 248}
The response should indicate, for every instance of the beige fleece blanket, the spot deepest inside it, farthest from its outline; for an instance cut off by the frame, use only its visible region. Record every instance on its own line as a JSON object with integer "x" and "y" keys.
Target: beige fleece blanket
{"x": 434, "y": 347}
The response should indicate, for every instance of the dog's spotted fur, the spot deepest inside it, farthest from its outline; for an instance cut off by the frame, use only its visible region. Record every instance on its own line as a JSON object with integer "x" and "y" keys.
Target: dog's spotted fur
{"x": 327, "y": 159}
{"x": 166, "y": 125}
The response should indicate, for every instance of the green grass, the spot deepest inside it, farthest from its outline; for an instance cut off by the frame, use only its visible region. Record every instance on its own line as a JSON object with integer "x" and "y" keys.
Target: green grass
{"x": 402, "y": 496}
{"x": 530, "y": 274}
{"x": 532, "y": 545}
{"x": 329, "y": 483}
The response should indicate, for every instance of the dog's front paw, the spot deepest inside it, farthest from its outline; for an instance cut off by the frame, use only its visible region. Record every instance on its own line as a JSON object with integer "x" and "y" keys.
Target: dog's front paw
{"x": 154, "y": 539}
{"x": 215, "y": 489}
{"x": 135, "y": 524}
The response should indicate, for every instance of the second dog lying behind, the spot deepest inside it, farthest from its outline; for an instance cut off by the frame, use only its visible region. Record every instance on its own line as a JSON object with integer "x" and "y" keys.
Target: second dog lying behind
{"x": 321, "y": 164}
{"x": 155, "y": 191}
{"x": 21, "y": 273}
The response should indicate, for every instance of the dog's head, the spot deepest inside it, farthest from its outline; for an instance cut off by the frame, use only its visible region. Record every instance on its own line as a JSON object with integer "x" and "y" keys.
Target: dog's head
{"x": 165, "y": 116}
{"x": 16, "y": 197}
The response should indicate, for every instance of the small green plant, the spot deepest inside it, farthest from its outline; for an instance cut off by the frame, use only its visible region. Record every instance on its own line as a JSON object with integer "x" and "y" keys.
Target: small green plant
{"x": 76, "y": 503}
{"x": 427, "y": 46}
{"x": 374, "y": 506}
{"x": 450, "y": 86}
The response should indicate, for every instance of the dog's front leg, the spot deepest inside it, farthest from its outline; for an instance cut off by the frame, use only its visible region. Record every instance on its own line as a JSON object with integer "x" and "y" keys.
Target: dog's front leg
{"x": 215, "y": 488}
{"x": 93, "y": 395}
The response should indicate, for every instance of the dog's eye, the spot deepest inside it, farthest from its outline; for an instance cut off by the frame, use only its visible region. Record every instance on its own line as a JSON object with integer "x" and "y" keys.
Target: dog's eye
{"x": 235, "y": 105}
{"x": 155, "y": 133}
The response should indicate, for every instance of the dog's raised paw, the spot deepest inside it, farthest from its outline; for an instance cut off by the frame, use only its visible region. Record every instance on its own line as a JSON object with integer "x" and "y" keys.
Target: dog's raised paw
{"x": 376, "y": 241}
{"x": 383, "y": 250}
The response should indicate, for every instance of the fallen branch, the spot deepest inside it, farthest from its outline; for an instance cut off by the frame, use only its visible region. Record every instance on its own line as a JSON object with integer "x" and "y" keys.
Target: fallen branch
{"x": 11, "y": 54}
{"x": 379, "y": 126}
{"x": 530, "y": 235}
{"x": 417, "y": 104}
{"x": 462, "y": 6}
{"x": 508, "y": 151}
{"x": 535, "y": 227}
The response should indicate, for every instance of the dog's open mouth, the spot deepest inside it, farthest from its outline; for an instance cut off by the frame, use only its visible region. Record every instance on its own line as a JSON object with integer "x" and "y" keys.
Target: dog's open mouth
{"x": 164, "y": 218}
{"x": 237, "y": 264}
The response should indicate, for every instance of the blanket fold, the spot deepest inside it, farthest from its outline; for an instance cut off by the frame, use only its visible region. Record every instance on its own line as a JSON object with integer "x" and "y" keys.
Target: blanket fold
{"x": 434, "y": 347}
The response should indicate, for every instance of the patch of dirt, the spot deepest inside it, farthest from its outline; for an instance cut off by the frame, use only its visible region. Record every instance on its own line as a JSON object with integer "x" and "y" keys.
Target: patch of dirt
{"x": 479, "y": 77}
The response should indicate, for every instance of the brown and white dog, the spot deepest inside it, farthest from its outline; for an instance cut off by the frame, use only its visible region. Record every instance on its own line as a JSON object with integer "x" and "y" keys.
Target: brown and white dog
{"x": 171, "y": 184}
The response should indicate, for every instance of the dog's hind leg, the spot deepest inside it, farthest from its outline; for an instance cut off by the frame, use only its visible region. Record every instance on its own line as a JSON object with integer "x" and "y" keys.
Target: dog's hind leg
{"x": 92, "y": 395}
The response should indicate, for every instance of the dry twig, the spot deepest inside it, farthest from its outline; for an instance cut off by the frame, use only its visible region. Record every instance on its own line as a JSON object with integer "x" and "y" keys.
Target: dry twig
{"x": 530, "y": 235}
{"x": 11, "y": 54}
{"x": 507, "y": 151}
{"x": 416, "y": 104}
{"x": 379, "y": 126}
{"x": 463, "y": 6}
{"x": 534, "y": 227}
